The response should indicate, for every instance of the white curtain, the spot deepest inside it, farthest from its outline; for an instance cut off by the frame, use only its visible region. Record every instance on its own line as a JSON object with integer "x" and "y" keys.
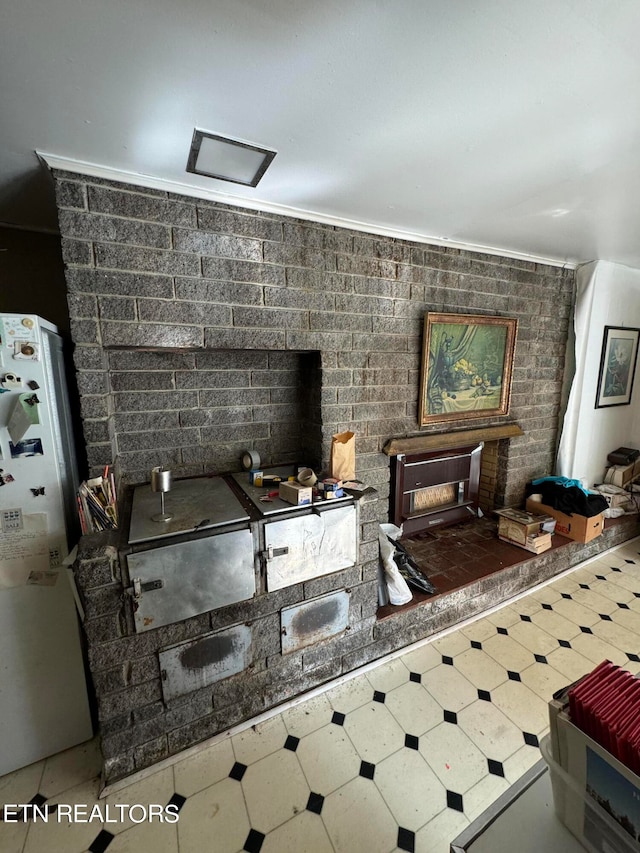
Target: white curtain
{"x": 583, "y": 317}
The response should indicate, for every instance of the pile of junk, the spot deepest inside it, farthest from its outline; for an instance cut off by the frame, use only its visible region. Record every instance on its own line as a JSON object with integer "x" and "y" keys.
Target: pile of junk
{"x": 399, "y": 573}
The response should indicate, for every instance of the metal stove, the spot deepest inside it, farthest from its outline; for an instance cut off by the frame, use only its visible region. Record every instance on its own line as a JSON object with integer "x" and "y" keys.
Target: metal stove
{"x": 205, "y": 559}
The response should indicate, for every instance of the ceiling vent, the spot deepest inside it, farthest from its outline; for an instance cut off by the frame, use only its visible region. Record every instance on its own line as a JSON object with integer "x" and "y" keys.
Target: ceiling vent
{"x": 228, "y": 159}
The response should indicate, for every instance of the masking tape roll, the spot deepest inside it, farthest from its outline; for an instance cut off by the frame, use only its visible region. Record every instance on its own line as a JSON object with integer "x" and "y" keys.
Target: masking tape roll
{"x": 250, "y": 460}
{"x": 306, "y": 477}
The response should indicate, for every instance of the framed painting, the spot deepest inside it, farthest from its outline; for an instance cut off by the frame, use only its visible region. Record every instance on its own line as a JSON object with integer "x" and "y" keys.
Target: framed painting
{"x": 617, "y": 366}
{"x": 467, "y": 362}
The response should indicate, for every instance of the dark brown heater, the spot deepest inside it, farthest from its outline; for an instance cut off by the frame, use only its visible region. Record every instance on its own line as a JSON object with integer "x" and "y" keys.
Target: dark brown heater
{"x": 435, "y": 488}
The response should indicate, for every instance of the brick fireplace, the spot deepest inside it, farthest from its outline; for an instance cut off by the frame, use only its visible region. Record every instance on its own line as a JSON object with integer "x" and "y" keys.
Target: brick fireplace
{"x": 201, "y": 330}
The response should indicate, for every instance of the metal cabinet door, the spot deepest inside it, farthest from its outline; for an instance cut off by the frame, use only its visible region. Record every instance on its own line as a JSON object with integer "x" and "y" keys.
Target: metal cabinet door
{"x": 308, "y": 546}
{"x": 179, "y": 581}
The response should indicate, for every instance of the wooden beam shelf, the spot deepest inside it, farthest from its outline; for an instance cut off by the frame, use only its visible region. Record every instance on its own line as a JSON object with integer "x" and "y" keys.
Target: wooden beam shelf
{"x": 444, "y": 440}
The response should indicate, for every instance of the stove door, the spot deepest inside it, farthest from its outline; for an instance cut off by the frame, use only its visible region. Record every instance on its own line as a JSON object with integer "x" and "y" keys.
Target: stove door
{"x": 175, "y": 582}
{"x": 308, "y": 546}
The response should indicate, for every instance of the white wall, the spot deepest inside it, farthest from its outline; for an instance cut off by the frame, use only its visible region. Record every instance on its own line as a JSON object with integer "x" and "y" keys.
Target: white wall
{"x": 607, "y": 295}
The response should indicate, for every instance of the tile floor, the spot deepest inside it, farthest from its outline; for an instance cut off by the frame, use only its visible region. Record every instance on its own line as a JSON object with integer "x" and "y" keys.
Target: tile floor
{"x": 401, "y": 757}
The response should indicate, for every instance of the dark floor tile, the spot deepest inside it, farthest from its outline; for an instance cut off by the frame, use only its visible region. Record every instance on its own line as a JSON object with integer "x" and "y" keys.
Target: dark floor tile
{"x": 547, "y": 607}
{"x": 237, "y": 771}
{"x": 451, "y": 717}
{"x": 379, "y": 696}
{"x": 178, "y": 801}
{"x": 291, "y": 743}
{"x": 254, "y": 841}
{"x": 525, "y": 618}
{"x": 585, "y": 630}
{"x": 605, "y": 616}
{"x": 411, "y": 741}
{"x": 406, "y": 840}
{"x": 102, "y": 840}
{"x": 415, "y": 677}
{"x": 338, "y": 718}
{"x": 367, "y": 769}
{"x": 565, "y": 644}
{"x": 622, "y": 605}
{"x": 633, "y": 657}
{"x": 530, "y": 739}
{"x": 495, "y": 767}
{"x": 540, "y": 659}
{"x": 475, "y": 644}
{"x": 503, "y": 631}
{"x": 447, "y": 660}
{"x": 566, "y": 595}
{"x": 484, "y": 695}
{"x": 315, "y": 803}
{"x": 513, "y": 676}
{"x": 455, "y": 801}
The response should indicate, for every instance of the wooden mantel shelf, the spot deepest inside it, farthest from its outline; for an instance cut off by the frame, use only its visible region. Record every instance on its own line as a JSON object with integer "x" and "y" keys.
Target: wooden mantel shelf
{"x": 445, "y": 440}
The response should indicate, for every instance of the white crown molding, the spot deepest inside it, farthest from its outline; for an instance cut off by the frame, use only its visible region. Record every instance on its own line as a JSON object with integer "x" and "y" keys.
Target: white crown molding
{"x": 93, "y": 170}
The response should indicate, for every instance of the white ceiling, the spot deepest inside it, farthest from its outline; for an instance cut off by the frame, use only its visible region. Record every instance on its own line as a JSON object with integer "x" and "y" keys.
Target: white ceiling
{"x": 508, "y": 124}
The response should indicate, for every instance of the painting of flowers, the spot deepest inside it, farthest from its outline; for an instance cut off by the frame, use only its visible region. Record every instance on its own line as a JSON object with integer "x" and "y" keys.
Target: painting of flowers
{"x": 466, "y": 367}
{"x": 617, "y": 366}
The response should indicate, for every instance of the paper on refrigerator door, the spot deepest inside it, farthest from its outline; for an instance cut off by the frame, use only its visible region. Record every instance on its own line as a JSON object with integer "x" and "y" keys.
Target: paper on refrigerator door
{"x": 24, "y": 415}
{"x": 24, "y": 550}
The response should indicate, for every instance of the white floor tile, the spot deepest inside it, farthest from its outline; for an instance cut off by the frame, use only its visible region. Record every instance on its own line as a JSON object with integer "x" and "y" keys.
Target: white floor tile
{"x": 305, "y": 831}
{"x": 374, "y": 732}
{"x": 410, "y": 788}
{"x": 308, "y": 716}
{"x": 64, "y": 835}
{"x": 491, "y": 730}
{"x": 532, "y": 637}
{"x": 68, "y": 768}
{"x": 353, "y": 694}
{"x": 275, "y": 790}
{"x": 422, "y": 659}
{"x": 480, "y": 669}
{"x": 156, "y": 837}
{"x": 483, "y": 793}
{"x": 157, "y": 789}
{"x": 414, "y": 708}
{"x": 449, "y": 688}
{"x": 207, "y": 767}
{"x": 384, "y": 678}
{"x": 358, "y": 820}
{"x": 258, "y": 741}
{"x": 453, "y": 757}
{"x": 509, "y": 653}
{"x": 215, "y": 818}
{"x": 328, "y": 759}
{"x": 543, "y": 680}
{"x": 437, "y": 835}
{"x": 21, "y": 785}
{"x": 523, "y": 707}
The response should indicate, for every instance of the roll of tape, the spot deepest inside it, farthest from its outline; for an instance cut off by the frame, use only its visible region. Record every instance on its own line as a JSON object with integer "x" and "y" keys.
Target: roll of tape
{"x": 306, "y": 477}
{"x": 250, "y": 460}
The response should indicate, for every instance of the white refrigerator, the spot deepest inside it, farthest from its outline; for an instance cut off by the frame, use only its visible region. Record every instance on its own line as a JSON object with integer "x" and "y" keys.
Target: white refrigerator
{"x": 43, "y": 691}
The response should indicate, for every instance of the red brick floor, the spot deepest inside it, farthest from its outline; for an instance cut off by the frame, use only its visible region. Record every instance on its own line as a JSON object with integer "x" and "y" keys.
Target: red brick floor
{"x": 452, "y": 557}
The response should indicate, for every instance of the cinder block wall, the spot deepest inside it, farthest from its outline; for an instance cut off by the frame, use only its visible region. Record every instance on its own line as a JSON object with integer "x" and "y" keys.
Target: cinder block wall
{"x": 146, "y": 269}
{"x": 200, "y": 330}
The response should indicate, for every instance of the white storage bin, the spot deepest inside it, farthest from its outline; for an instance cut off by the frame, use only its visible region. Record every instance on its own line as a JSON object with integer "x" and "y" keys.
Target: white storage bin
{"x": 596, "y": 829}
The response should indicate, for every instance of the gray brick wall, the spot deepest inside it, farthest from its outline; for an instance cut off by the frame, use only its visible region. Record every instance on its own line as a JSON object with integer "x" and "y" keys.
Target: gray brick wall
{"x": 201, "y": 329}
{"x": 150, "y": 274}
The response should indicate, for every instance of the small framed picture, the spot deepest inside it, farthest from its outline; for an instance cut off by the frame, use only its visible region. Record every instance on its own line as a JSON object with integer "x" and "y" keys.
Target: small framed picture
{"x": 617, "y": 366}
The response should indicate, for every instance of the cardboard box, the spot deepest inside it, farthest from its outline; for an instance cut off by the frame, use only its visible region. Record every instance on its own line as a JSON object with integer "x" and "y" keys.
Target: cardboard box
{"x": 523, "y": 529}
{"x": 294, "y": 493}
{"x": 576, "y": 527}
{"x": 595, "y": 795}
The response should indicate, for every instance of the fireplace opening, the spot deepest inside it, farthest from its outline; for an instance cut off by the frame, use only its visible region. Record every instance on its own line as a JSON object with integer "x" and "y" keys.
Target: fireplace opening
{"x": 196, "y": 411}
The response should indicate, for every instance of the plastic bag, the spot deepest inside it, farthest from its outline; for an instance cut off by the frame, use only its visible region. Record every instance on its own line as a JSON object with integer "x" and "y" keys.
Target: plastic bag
{"x": 399, "y": 592}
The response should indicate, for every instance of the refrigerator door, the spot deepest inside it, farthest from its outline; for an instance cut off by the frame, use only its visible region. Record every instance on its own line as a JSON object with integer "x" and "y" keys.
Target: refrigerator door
{"x": 43, "y": 693}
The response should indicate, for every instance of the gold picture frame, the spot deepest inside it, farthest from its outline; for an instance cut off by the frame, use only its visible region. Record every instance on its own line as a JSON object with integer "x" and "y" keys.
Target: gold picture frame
{"x": 467, "y": 362}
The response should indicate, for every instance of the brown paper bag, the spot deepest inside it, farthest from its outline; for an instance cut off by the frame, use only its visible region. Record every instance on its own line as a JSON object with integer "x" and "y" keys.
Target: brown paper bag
{"x": 343, "y": 456}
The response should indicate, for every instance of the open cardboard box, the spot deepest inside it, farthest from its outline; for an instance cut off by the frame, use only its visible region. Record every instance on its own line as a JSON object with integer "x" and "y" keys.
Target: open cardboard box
{"x": 576, "y": 527}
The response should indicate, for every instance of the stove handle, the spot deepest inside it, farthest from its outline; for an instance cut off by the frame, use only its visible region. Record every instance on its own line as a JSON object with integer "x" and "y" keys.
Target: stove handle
{"x": 272, "y": 552}
{"x": 138, "y": 587}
